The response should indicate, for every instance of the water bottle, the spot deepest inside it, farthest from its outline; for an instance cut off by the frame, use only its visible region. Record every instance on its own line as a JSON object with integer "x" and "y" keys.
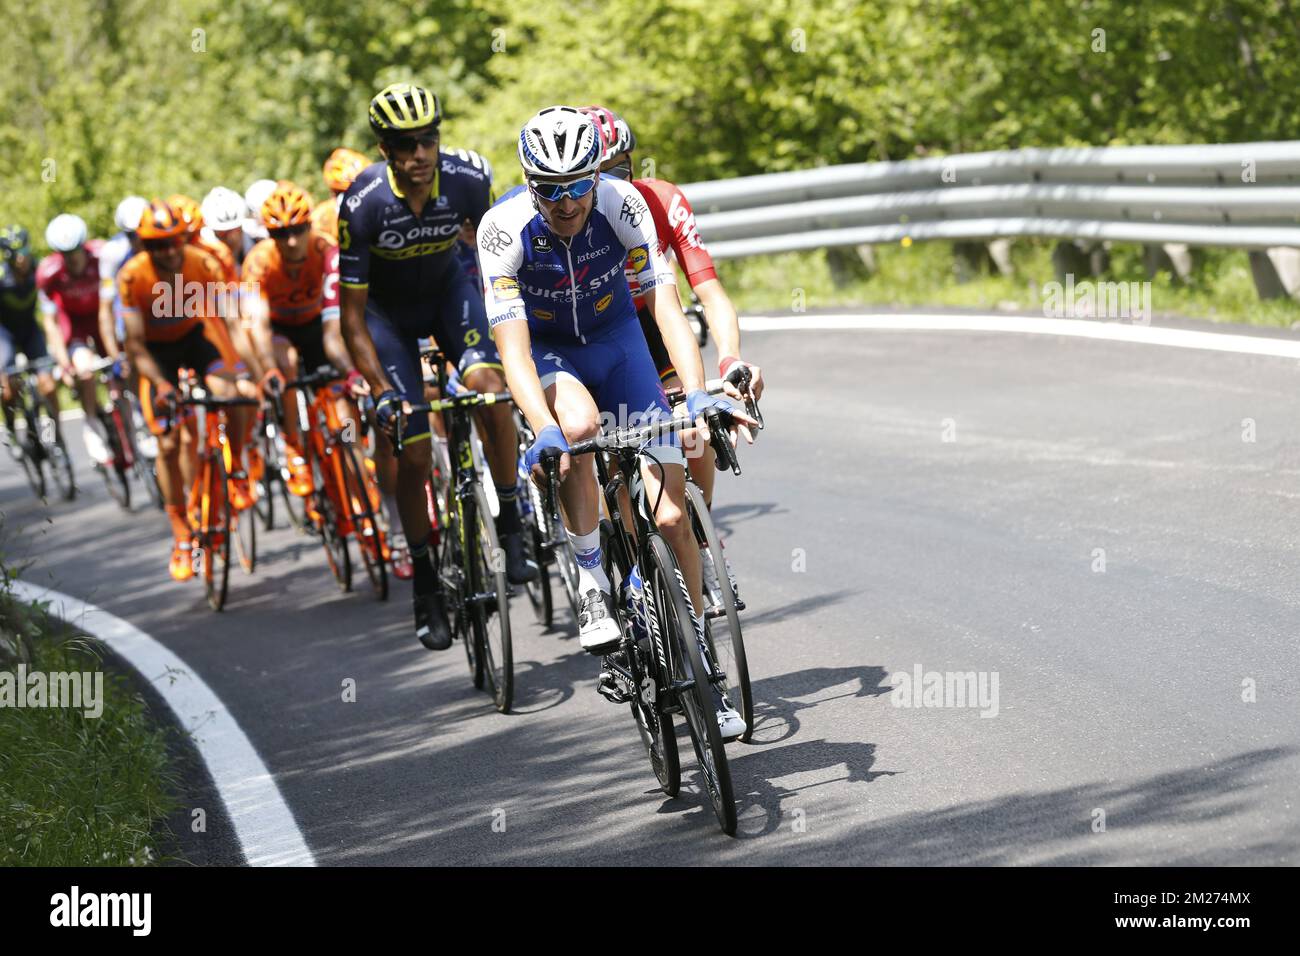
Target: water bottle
{"x": 633, "y": 603}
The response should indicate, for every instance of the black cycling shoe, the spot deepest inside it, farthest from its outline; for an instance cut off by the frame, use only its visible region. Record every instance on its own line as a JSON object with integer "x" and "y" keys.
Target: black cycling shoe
{"x": 519, "y": 570}
{"x": 431, "y": 621}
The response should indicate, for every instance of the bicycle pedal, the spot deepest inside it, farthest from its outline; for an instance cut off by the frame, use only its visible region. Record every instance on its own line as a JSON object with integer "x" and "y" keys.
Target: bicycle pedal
{"x": 608, "y": 687}
{"x": 716, "y": 611}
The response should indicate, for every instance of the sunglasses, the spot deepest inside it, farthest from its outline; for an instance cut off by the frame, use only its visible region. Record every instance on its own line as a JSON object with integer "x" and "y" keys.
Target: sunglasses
{"x": 161, "y": 245}
{"x": 285, "y": 232}
{"x": 554, "y": 192}
{"x": 407, "y": 144}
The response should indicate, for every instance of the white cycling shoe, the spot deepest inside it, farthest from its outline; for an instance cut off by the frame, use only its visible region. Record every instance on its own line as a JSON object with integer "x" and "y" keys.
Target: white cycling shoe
{"x": 730, "y": 724}
{"x": 95, "y": 446}
{"x": 598, "y": 629}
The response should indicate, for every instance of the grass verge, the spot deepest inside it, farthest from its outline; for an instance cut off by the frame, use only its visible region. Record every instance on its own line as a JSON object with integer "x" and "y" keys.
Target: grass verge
{"x": 930, "y": 274}
{"x": 76, "y": 790}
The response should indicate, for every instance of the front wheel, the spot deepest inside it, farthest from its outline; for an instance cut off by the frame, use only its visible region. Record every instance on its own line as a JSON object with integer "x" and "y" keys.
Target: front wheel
{"x": 723, "y": 636}
{"x": 365, "y": 526}
{"x": 56, "y": 453}
{"x": 491, "y": 605}
{"x": 214, "y": 532}
{"x": 670, "y": 602}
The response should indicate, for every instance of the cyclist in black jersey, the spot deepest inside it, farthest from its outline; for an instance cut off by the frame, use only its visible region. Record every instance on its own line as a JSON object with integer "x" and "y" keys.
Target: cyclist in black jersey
{"x": 19, "y": 330}
{"x": 400, "y": 280}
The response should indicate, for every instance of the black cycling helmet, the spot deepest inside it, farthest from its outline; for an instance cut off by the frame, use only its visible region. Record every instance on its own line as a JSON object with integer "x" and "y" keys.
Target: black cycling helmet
{"x": 14, "y": 241}
{"x": 401, "y": 108}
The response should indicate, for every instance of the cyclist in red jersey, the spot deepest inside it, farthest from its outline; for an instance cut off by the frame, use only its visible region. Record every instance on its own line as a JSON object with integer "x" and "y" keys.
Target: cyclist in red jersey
{"x": 675, "y": 226}
{"x": 68, "y": 285}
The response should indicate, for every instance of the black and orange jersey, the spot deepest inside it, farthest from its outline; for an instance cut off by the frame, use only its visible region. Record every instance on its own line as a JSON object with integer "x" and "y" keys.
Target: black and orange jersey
{"x": 173, "y": 306}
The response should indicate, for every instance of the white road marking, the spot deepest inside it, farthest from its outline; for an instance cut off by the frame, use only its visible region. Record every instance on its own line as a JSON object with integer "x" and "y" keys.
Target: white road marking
{"x": 263, "y": 822}
{"x": 1032, "y": 325}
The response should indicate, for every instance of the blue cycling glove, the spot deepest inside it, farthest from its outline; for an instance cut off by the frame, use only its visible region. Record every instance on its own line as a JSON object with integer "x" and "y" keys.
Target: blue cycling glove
{"x": 386, "y": 409}
{"x": 699, "y": 401}
{"x": 550, "y": 437}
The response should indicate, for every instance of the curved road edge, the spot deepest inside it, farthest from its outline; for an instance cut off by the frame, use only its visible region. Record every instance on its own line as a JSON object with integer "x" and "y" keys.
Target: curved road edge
{"x": 264, "y": 825}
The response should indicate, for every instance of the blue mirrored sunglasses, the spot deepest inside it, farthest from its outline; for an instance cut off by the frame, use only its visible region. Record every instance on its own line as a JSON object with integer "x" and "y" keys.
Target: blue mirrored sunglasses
{"x": 554, "y": 192}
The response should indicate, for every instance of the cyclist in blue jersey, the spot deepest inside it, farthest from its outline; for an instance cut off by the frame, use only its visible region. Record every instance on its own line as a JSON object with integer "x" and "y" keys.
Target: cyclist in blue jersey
{"x": 399, "y": 280}
{"x": 552, "y": 257}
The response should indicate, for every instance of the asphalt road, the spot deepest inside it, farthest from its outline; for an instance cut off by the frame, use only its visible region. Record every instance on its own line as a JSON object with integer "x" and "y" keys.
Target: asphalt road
{"x": 918, "y": 500}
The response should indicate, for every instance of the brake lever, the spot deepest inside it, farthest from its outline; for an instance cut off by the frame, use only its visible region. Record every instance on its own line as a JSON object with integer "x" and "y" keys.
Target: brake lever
{"x": 724, "y": 454}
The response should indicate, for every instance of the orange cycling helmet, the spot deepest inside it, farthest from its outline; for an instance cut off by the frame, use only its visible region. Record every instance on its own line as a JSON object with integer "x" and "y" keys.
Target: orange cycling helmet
{"x": 343, "y": 167}
{"x": 161, "y": 220}
{"x": 189, "y": 211}
{"x": 289, "y": 205}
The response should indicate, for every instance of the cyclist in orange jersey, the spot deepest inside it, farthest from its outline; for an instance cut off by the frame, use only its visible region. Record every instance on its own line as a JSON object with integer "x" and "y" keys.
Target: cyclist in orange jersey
{"x": 192, "y": 214}
{"x": 341, "y": 170}
{"x": 283, "y": 298}
{"x": 174, "y": 296}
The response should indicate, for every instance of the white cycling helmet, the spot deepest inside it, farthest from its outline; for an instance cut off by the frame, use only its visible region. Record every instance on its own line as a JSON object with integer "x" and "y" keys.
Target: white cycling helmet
{"x": 559, "y": 141}
{"x": 65, "y": 232}
{"x": 129, "y": 211}
{"x": 223, "y": 209}
{"x": 254, "y": 196}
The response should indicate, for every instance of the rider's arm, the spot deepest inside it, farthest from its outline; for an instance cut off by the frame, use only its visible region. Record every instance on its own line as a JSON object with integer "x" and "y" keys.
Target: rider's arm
{"x": 515, "y": 347}
{"x": 721, "y": 316}
{"x": 137, "y": 351}
{"x": 257, "y": 318}
{"x": 54, "y": 335}
{"x": 336, "y": 350}
{"x": 352, "y": 319}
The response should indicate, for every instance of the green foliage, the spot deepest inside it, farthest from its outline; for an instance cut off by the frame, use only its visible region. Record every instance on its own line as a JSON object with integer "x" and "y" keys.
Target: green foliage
{"x": 136, "y": 96}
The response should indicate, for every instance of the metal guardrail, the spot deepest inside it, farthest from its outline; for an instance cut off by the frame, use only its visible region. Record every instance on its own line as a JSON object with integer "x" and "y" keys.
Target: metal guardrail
{"x": 1241, "y": 195}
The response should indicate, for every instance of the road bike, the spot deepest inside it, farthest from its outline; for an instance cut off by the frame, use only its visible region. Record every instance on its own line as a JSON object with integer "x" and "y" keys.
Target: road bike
{"x": 470, "y": 561}
{"x": 37, "y": 443}
{"x": 213, "y": 520}
{"x": 344, "y": 503}
{"x": 663, "y": 665}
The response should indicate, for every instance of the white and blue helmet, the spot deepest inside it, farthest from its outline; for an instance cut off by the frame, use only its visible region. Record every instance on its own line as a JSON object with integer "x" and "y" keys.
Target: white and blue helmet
{"x": 559, "y": 141}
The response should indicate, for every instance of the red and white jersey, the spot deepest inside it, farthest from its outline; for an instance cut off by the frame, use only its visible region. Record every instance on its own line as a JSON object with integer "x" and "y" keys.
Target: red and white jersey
{"x": 74, "y": 300}
{"x": 330, "y": 290}
{"x": 675, "y": 225}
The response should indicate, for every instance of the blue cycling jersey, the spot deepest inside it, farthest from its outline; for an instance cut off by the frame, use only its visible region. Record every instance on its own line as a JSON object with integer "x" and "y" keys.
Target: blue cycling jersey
{"x": 572, "y": 289}
{"x": 400, "y": 257}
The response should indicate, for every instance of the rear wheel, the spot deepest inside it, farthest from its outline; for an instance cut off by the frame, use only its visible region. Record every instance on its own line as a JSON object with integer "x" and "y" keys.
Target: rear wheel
{"x": 670, "y": 603}
{"x": 214, "y": 532}
{"x": 491, "y": 614}
{"x": 722, "y": 635}
{"x": 658, "y": 735}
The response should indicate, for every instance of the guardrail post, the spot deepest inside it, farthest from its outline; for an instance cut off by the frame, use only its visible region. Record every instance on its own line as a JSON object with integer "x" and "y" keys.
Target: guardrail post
{"x": 1276, "y": 271}
{"x": 972, "y": 259}
{"x": 1173, "y": 257}
{"x": 1080, "y": 257}
{"x": 1000, "y": 256}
